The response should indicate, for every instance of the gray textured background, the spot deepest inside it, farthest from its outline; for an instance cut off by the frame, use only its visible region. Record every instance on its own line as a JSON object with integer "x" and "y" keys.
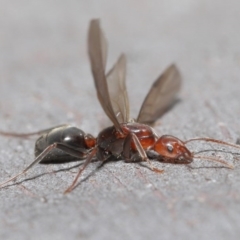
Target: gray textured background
{"x": 45, "y": 80}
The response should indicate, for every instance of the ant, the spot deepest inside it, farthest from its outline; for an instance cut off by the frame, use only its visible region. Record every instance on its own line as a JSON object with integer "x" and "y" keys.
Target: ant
{"x": 133, "y": 141}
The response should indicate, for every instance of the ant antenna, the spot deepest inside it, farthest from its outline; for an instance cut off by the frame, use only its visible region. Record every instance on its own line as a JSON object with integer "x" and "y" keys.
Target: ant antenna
{"x": 212, "y": 140}
{"x": 215, "y": 160}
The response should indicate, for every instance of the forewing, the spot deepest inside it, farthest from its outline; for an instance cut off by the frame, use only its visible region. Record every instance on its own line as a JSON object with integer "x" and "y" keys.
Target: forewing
{"x": 116, "y": 80}
{"x": 161, "y": 95}
{"x": 97, "y": 50}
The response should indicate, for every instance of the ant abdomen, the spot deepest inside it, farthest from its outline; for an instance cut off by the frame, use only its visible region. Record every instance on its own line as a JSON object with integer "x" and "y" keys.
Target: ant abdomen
{"x": 67, "y": 135}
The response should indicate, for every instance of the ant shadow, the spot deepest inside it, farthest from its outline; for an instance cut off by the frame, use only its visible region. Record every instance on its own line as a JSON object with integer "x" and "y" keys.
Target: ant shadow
{"x": 58, "y": 171}
{"x": 111, "y": 159}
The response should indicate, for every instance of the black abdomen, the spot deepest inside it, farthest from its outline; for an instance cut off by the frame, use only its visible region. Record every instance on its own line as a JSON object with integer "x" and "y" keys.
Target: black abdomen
{"x": 68, "y": 135}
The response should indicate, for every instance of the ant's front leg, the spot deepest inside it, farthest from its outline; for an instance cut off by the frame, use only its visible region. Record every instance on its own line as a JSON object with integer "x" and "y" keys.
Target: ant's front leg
{"x": 140, "y": 154}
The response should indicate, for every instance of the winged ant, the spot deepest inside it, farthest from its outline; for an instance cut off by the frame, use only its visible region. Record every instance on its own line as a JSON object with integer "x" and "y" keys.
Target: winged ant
{"x": 127, "y": 139}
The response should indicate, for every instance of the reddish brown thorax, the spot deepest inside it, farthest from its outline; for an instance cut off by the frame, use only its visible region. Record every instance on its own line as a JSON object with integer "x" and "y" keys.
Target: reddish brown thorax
{"x": 143, "y": 132}
{"x": 111, "y": 141}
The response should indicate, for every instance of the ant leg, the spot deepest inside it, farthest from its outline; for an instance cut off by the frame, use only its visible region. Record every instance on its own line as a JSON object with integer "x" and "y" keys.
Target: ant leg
{"x": 25, "y": 135}
{"x": 127, "y": 148}
{"x": 140, "y": 150}
{"x": 71, "y": 151}
{"x": 88, "y": 160}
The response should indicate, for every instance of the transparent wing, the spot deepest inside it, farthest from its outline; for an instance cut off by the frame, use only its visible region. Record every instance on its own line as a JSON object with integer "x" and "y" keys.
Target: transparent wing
{"x": 116, "y": 80}
{"x": 161, "y": 95}
{"x": 97, "y": 50}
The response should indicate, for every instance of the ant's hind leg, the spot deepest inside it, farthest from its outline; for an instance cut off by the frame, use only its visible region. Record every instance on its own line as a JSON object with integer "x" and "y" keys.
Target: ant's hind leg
{"x": 88, "y": 160}
{"x": 69, "y": 150}
{"x": 26, "y": 135}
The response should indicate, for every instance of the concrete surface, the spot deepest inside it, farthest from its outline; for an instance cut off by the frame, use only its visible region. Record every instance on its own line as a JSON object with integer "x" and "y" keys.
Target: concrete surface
{"x": 45, "y": 80}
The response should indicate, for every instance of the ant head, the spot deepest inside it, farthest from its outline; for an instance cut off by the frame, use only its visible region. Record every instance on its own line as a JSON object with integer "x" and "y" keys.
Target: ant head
{"x": 172, "y": 150}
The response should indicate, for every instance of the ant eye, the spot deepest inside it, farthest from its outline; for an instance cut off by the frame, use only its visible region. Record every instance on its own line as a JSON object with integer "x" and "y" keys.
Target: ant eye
{"x": 170, "y": 148}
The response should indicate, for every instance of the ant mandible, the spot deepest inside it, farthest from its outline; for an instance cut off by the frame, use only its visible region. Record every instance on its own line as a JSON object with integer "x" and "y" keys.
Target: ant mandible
{"x": 130, "y": 140}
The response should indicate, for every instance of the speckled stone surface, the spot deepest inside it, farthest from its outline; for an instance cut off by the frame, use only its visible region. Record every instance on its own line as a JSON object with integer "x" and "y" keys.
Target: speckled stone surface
{"x": 45, "y": 80}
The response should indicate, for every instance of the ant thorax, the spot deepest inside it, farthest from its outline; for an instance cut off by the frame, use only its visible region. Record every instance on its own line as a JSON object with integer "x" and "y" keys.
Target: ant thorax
{"x": 112, "y": 142}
